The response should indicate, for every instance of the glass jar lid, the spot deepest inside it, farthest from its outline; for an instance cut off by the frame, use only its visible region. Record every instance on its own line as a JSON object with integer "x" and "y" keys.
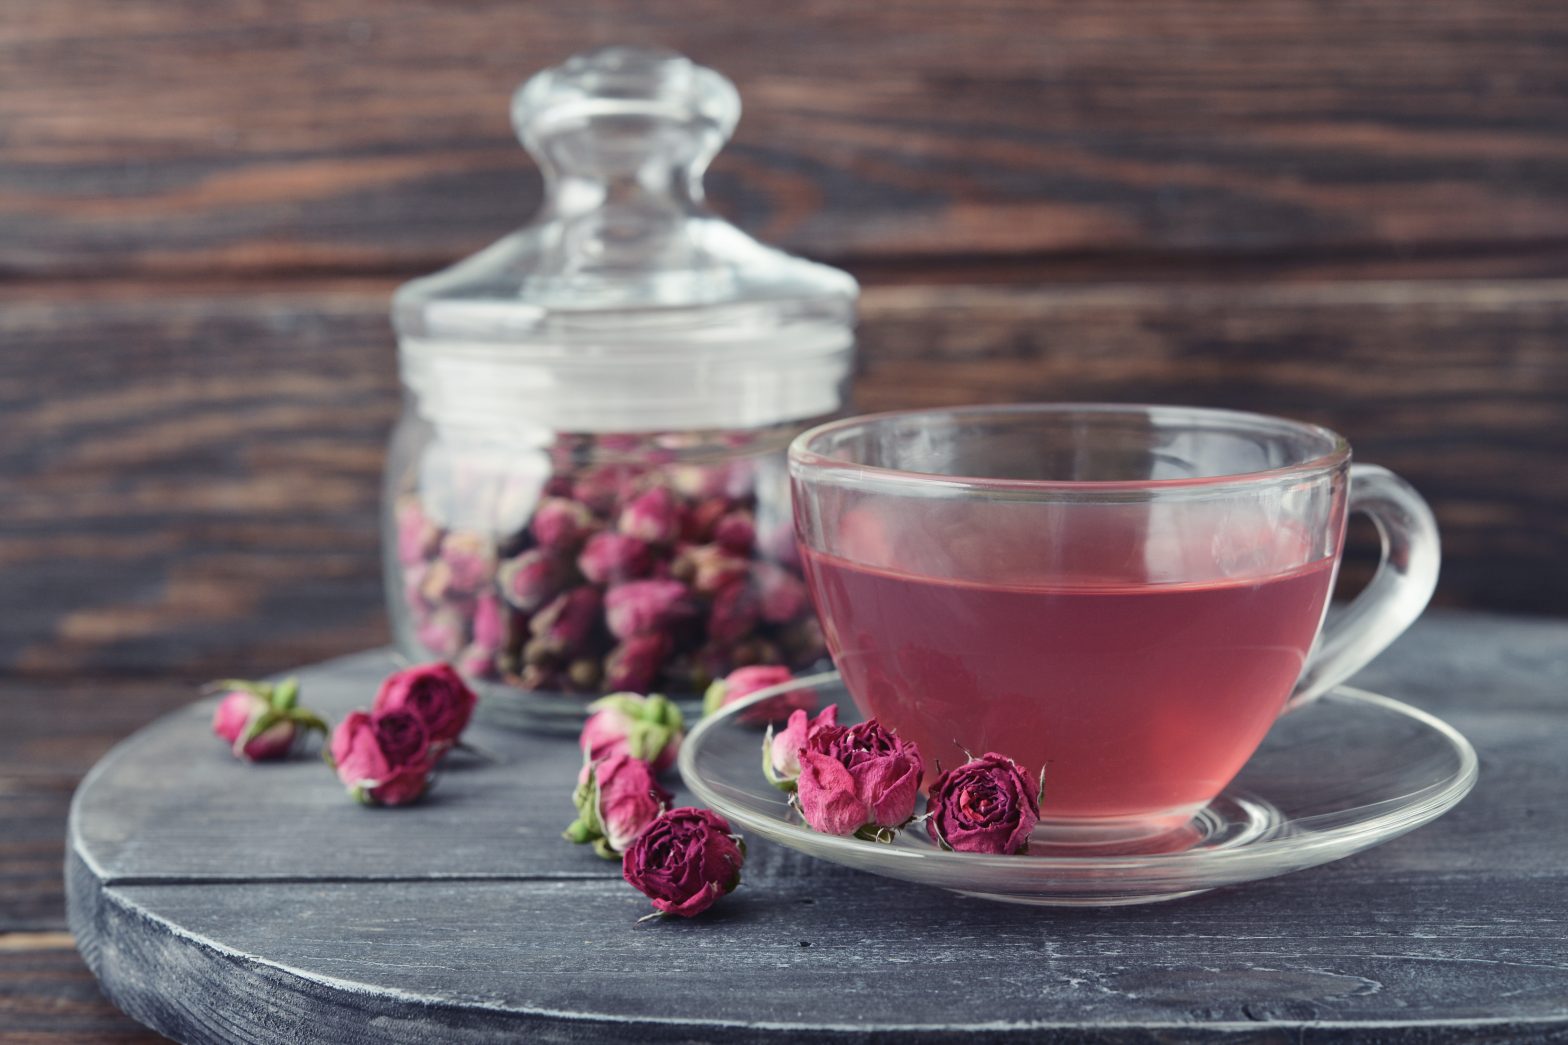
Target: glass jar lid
{"x": 625, "y": 304}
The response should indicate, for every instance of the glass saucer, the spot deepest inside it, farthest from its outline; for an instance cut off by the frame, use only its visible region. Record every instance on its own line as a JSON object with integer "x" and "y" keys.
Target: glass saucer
{"x": 1349, "y": 771}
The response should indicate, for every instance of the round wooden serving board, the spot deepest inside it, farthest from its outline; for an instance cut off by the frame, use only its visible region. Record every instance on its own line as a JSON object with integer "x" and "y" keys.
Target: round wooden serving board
{"x": 220, "y": 902}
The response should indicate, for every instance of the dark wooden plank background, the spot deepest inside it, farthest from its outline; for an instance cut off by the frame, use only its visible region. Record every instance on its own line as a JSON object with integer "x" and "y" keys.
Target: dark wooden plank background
{"x": 1351, "y": 212}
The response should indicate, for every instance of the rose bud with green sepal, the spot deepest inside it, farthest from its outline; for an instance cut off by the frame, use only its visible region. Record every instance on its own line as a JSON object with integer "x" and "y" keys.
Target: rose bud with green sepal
{"x": 859, "y": 780}
{"x": 987, "y": 805}
{"x": 382, "y": 759}
{"x": 743, "y": 682}
{"x": 617, "y": 798}
{"x": 261, "y": 721}
{"x": 781, "y": 751}
{"x": 685, "y": 861}
{"x": 650, "y": 728}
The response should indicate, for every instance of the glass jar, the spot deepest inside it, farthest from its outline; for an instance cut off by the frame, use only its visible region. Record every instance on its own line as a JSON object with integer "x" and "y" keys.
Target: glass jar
{"x": 586, "y": 492}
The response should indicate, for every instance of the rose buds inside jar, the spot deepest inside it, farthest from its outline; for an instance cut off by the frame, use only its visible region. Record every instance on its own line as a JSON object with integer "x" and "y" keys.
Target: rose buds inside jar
{"x": 587, "y": 491}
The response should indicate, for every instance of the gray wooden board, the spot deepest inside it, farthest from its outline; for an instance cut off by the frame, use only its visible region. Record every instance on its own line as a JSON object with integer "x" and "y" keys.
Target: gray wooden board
{"x": 220, "y": 902}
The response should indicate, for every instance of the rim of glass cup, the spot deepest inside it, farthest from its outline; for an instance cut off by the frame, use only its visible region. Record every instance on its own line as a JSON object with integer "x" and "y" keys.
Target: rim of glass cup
{"x": 804, "y": 459}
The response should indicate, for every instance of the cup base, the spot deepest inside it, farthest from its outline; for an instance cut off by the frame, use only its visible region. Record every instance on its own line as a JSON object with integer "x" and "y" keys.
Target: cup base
{"x": 1221, "y": 824}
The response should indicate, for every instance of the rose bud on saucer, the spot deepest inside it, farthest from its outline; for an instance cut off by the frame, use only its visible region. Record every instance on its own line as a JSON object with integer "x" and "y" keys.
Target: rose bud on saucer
{"x": 986, "y": 805}
{"x": 685, "y": 861}
{"x": 617, "y": 798}
{"x": 781, "y": 751}
{"x": 649, "y": 728}
{"x": 260, "y": 721}
{"x": 653, "y": 516}
{"x": 383, "y": 759}
{"x": 858, "y": 780}
{"x": 436, "y": 695}
{"x": 743, "y": 682}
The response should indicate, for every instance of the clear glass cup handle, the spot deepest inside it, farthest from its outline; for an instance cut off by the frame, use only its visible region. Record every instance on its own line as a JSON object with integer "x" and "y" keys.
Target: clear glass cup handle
{"x": 1398, "y": 592}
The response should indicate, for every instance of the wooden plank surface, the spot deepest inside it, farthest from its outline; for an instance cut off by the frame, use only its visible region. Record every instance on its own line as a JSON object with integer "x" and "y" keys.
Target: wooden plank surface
{"x": 189, "y": 137}
{"x": 186, "y": 470}
{"x": 400, "y": 928}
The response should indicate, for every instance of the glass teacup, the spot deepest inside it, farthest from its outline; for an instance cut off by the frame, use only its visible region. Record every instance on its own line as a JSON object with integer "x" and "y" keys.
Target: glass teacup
{"x": 1126, "y": 597}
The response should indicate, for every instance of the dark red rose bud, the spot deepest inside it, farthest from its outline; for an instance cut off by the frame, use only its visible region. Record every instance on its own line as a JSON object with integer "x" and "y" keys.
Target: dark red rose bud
{"x": 433, "y": 693}
{"x": 702, "y": 518}
{"x": 709, "y": 569}
{"x": 610, "y": 558}
{"x": 634, "y": 665}
{"x": 736, "y": 533}
{"x": 987, "y": 805}
{"x": 382, "y": 759}
{"x": 684, "y": 861}
{"x": 532, "y": 579}
{"x": 860, "y": 780}
{"x": 638, "y": 607}
{"x": 653, "y": 516}
{"x": 566, "y": 625}
{"x": 561, "y": 525}
{"x": 734, "y": 615}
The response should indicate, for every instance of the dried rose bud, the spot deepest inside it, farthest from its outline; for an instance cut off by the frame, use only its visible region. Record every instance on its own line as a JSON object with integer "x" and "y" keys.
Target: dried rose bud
{"x": 735, "y": 613}
{"x": 491, "y": 623}
{"x": 382, "y": 759}
{"x": 470, "y": 561}
{"x": 653, "y": 516}
{"x": 443, "y": 633}
{"x": 699, "y": 482}
{"x": 562, "y": 525}
{"x": 540, "y": 677}
{"x": 803, "y": 642}
{"x": 709, "y": 569}
{"x": 583, "y": 675}
{"x": 781, "y": 751}
{"x": 684, "y": 861}
{"x": 417, "y": 537}
{"x": 858, "y": 780}
{"x": 736, "y": 533}
{"x": 755, "y": 652}
{"x": 609, "y": 558}
{"x": 478, "y": 662}
{"x": 601, "y": 487}
{"x": 650, "y": 728}
{"x": 987, "y": 805}
{"x": 639, "y": 607}
{"x": 435, "y": 694}
{"x": 742, "y": 683}
{"x": 532, "y": 579}
{"x": 703, "y": 517}
{"x": 566, "y": 625}
{"x": 634, "y": 665}
{"x": 784, "y": 596}
{"x": 261, "y": 721}
{"x": 617, "y": 799}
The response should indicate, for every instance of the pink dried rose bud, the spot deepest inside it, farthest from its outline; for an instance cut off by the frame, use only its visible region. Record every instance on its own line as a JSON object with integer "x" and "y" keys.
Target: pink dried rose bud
{"x": 565, "y": 627}
{"x": 634, "y": 665}
{"x": 382, "y": 759}
{"x": 470, "y": 562}
{"x": 610, "y": 558}
{"x": 532, "y": 579}
{"x": 650, "y": 728}
{"x": 433, "y": 693}
{"x": 260, "y": 721}
{"x": 858, "y": 780}
{"x": 443, "y": 632}
{"x": 709, "y": 569}
{"x": 703, "y": 517}
{"x": 601, "y": 487}
{"x": 743, "y": 682}
{"x": 418, "y": 538}
{"x": 781, "y": 751}
{"x": 640, "y": 607}
{"x": 478, "y": 662}
{"x": 653, "y": 516}
{"x": 987, "y": 805}
{"x": 561, "y": 525}
{"x": 783, "y": 595}
{"x": 685, "y": 861}
{"x": 491, "y": 623}
{"x": 734, "y": 615}
{"x": 736, "y": 533}
{"x": 617, "y": 798}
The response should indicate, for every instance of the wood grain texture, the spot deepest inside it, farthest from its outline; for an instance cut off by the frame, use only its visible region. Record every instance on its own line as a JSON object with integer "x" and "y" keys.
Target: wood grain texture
{"x": 191, "y": 477}
{"x": 193, "y": 136}
{"x": 48, "y": 997}
{"x": 468, "y": 922}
